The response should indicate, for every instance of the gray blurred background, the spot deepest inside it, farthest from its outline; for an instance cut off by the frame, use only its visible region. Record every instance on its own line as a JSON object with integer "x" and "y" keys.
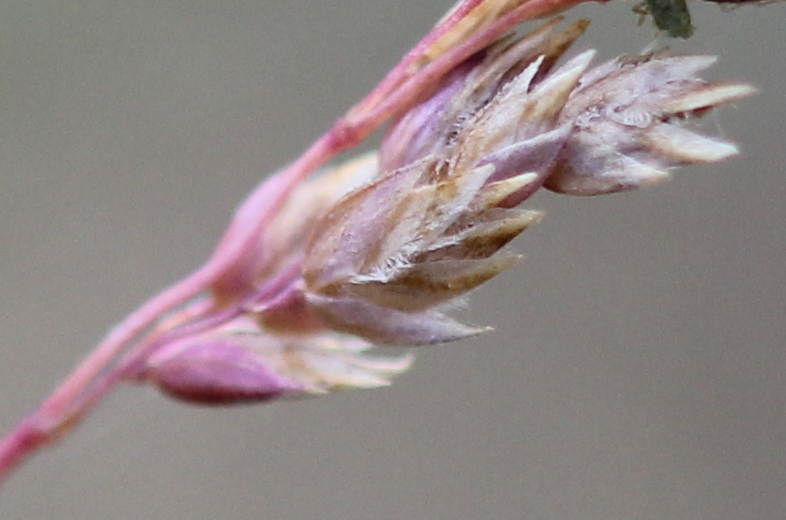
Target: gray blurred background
{"x": 638, "y": 370}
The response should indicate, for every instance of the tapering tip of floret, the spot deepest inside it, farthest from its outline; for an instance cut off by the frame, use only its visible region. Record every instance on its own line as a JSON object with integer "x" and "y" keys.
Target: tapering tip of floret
{"x": 631, "y": 119}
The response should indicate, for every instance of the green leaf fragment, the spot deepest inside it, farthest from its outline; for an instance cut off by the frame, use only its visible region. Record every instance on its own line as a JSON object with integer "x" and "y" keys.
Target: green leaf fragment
{"x": 671, "y": 16}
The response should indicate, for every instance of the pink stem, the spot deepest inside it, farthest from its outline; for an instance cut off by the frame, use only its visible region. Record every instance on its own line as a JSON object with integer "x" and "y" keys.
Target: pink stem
{"x": 43, "y": 427}
{"x": 57, "y": 414}
{"x": 403, "y": 69}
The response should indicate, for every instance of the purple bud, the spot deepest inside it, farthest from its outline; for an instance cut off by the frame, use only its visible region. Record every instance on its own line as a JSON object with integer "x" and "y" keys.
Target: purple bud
{"x": 218, "y": 371}
{"x": 241, "y": 362}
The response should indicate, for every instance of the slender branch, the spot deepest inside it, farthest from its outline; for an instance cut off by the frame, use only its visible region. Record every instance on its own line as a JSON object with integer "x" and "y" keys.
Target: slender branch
{"x": 42, "y": 428}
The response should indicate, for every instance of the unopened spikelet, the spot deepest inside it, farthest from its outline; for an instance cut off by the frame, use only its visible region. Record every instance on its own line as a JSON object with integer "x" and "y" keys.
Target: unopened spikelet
{"x": 242, "y": 363}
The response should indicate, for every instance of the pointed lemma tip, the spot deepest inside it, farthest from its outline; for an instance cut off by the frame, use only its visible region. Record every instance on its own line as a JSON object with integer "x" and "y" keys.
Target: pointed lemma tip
{"x": 710, "y": 96}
